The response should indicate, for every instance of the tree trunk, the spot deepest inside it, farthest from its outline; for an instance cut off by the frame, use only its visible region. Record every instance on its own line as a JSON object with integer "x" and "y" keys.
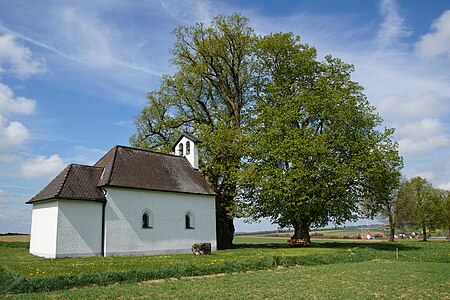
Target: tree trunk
{"x": 392, "y": 228}
{"x": 448, "y": 235}
{"x": 301, "y": 232}
{"x": 224, "y": 226}
{"x": 391, "y": 237}
{"x": 424, "y": 233}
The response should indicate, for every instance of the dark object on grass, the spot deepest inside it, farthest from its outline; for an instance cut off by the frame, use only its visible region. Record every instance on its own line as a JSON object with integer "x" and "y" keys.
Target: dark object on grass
{"x": 201, "y": 248}
{"x": 298, "y": 242}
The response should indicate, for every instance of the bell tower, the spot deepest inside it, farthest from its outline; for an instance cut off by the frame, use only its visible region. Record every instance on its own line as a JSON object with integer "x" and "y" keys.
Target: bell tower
{"x": 186, "y": 145}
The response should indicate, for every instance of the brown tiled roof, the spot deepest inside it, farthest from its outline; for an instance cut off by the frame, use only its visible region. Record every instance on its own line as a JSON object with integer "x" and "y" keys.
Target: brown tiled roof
{"x": 143, "y": 169}
{"x": 74, "y": 182}
{"x": 126, "y": 167}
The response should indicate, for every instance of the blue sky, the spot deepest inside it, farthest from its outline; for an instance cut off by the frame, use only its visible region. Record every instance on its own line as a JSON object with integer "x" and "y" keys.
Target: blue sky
{"x": 74, "y": 74}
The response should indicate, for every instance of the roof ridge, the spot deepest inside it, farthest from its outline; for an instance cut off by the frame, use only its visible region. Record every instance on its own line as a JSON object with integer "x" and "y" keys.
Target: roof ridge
{"x": 69, "y": 167}
{"x": 107, "y": 152}
{"x": 148, "y": 150}
{"x": 81, "y": 165}
{"x": 113, "y": 164}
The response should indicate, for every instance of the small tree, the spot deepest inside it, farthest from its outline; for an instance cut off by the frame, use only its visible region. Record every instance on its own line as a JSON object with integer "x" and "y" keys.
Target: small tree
{"x": 444, "y": 211}
{"x": 385, "y": 188}
{"x": 424, "y": 200}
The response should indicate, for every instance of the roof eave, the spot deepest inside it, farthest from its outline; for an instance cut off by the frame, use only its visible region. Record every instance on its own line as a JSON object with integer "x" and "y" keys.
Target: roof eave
{"x": 64, "y": 198}
{"x": 158, "y": 190}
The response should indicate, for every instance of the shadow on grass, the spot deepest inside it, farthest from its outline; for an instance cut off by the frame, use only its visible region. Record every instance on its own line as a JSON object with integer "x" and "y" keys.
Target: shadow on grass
{"x": 335, "y": 245}
{"x": 385, "y": 246}
{"x": 15, "y": 244}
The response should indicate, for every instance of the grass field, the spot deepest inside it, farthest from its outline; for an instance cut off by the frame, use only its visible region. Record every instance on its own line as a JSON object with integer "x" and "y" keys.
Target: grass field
{"x": 355, "y": 267}
{"x": 364, "y": 280}
{"x": 18, "y": 260}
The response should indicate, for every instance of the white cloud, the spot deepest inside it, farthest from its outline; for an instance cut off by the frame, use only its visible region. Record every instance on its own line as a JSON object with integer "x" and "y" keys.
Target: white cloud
{"x": 430, "y": 176}
{"x": 393, "y": 27}
{"x": 83, "y": 37}
{"x": 413, "y": 148}
{"x": 445, "y": 186}
{"x": 426, "y": 105}
{"x": 11, "y": 104}
{"x": 12, "y": 135}
{"x": 17, "y": 59}
{"x": 420, "y": 129}
{"x": 80, "y": 30}
{"x": 8, "y": 157}
{"x": 41, "y": 166}
{"x": 88, "y": 40}
{"x": 437, "y": 42}
{"x": 188, "y": 11}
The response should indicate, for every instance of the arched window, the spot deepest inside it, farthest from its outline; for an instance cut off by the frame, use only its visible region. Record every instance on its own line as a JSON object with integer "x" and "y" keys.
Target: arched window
{"x": 189, "y": 220}
{"x": 188, "y": 148}
{"x": 180, "y": 149}
{"x": 147, "y": 219}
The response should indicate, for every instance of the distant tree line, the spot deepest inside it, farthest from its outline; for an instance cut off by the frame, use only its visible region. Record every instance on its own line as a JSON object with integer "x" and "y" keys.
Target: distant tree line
{"x": 415, "y": 203}
{"x": 13, "y": 233}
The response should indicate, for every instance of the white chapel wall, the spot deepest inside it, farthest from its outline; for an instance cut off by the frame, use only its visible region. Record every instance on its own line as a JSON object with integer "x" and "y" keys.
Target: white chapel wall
{"x": 79, "y": 228}
{"x": 44, "y": 220}
{"x": 124, "y": 232}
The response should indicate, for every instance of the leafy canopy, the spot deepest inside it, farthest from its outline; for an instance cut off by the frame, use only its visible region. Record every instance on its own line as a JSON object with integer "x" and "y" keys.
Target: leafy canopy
{"x": 315, "y": 137}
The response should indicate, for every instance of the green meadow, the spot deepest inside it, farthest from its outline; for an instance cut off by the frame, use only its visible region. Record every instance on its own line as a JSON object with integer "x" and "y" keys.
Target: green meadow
{"x": 257, "y": 267}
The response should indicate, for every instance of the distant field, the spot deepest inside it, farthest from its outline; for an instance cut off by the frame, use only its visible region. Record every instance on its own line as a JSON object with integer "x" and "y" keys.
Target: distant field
{"x": 15, "y": 238}
{"x": 271, "y": 239}
{"x": 335, "y": 233}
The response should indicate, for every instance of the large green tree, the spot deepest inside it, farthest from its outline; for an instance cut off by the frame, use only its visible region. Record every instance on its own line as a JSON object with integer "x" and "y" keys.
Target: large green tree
{"x": 209, "y": 96}
{"x": 315, "y": 138}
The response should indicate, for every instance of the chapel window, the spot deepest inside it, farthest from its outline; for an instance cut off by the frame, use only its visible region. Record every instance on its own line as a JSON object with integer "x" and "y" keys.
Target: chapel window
{"x": 147, "y": 219}
{"x": 180, "y": 149}
{"x": 189, "y": 220}
{"x": 188, "y": 148}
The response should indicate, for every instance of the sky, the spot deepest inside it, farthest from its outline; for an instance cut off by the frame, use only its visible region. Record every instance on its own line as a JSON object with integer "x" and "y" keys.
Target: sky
{"x": 75, "y": 74}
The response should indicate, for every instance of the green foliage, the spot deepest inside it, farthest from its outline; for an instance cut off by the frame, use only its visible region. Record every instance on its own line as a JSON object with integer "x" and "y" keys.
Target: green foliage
{"x": 24, "y": 245}
{"x": 315, "y": 144}
{"x": 443, "y": 214}
{"x": 422, "y": 205}
{"x": 6, "y": 281}
{"x": 209, "y": 96}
